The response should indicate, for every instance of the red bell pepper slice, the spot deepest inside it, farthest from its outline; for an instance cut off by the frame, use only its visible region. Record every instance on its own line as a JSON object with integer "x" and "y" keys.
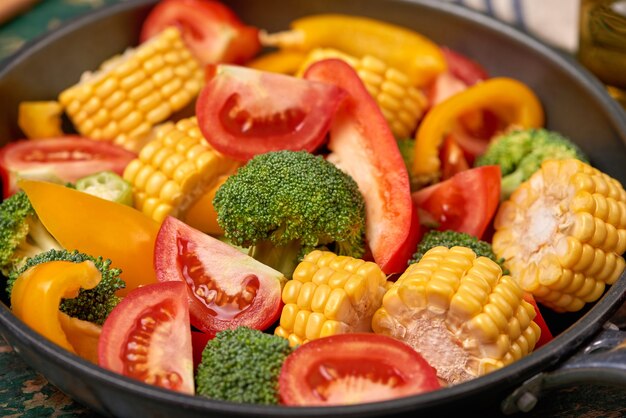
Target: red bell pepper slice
{"x": 362, "y": 145}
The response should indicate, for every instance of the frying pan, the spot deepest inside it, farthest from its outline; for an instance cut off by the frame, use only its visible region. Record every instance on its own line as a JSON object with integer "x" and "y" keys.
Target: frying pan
{"x": 576, "y": 105}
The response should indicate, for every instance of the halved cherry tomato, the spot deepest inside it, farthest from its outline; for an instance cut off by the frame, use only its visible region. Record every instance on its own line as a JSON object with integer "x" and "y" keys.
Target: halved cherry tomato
{"x": 227, "y": 288}
{"x": 210, "y": 30}
{"x": 63, "y": 159}
{"x": 466, "y": 202}
{"x": 147, "y": 337}
{"x": 353, "y": 368}
{"x": 364, "y": 147}
{"x": 244, "y": 112}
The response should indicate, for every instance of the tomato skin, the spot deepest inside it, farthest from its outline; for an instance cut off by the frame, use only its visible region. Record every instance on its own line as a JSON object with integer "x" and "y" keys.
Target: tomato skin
{"x": 363, "y": 146}
{"x": 159, "y": 313}
{"x": 199, "y": 340}
{"x": 452, "y": 158}
{"x": 217, "y": 277}
{"x": 244, "y": 112}
{"x": 210, "y": 30}
{"x": 323, "y": 362}
{"x": 465, "y": 69}
{"x": 63, "y": 159}
{"x": 466, "y": 202}
{"x": 462, "y": 72}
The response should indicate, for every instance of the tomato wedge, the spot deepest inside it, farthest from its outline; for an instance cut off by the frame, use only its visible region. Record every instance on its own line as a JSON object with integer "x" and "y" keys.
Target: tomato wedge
{"x": 226, "y": 288}
{"x": 462, "y": 72}
{"x": 466, "y": 202}
{"x": 353, "y": 368}
{"x": 465, "y": 69}
{"x": 63, "y": 159}
{"x": 147, "y": 337}
{"x": 363, "y": 146}
{"x": 452, "y": 158}
{"x": 210, "y": 30}
{"x": 244, "y": 112}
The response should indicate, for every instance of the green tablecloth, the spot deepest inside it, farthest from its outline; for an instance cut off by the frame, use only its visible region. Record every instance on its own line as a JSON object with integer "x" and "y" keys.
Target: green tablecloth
{"x": 44, "y": 16}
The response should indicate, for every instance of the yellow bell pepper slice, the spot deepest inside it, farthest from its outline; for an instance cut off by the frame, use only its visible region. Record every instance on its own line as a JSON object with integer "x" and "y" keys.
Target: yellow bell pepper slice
{"x": 283, "y": 62}
{"x": 82, "y": 335}
{"x": 38, "y": 291}
{"x": 202, "y": 215}
{"x": 98, "y": 227}
{"x": 40, "y": 120}
{"x": 512, "y": 101}
{"x": 408, "y": 51}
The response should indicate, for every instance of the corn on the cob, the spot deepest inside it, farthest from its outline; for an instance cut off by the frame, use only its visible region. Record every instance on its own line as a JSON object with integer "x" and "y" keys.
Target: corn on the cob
{"x": 174, "y": 170}
{"x": 132, "y": 92}
{"x": 460, "y": 313}
{"x": 328, "y": 295}
{"x": 562, "y": 234}
{"x": 401, "y": 103}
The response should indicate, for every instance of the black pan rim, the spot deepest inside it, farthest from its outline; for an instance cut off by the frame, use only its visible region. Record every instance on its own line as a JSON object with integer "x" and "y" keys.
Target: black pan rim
{"x": 562, "y": 346}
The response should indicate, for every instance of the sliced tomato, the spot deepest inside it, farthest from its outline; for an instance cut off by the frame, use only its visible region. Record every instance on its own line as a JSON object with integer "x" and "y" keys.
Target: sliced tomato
{"x": 64, "y": 159}
{"x": 226, "y": 288}
{"x": 210, "y": 29}
{"x": 452, "y": 158}
{"x": 444, "y": 86}
{"x": 147, "y": 337}
{"x": 546, "y": 334}
{"x": 466, "y": 202}
{"x": 353, "y": 368}
{"x": 244, "y": 112}
{"x": 363, "y": 146}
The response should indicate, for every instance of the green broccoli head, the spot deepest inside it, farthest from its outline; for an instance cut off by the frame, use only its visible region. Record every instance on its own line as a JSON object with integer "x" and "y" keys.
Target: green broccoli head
{"x": 22, "y": 234}
{"x": 520, "y": 153}
{"x": 242, "y": 365}
{"x": 93, "y": 305}
{"x": 287, "y": 203}
{"x": 451, "y": 239}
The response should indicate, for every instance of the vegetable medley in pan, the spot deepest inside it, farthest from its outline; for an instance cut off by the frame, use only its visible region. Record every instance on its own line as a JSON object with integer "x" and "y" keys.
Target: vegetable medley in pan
{"x": 338, "y": 213}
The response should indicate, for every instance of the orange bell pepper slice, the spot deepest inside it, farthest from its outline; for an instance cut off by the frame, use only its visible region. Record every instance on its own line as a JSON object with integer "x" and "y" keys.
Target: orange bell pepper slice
{"x": 38, "y": 291}
{"x": 82, "y": 335}
{"x": 408, "y": 51}
{"x": 98, "y": 227}
{"x": 512, "y": 101}
{"x": 202, "y": 214}
{"x": 283, "y": 62}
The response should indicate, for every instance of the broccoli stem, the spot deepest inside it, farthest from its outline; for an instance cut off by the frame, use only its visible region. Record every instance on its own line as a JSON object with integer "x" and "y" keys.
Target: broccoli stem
{"x": 38, "y": 240}
{"x": 283, "y": 258}
{"x": 511, "y": 182}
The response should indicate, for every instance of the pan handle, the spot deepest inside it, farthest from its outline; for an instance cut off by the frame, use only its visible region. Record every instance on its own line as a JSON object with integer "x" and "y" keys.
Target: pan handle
{"x": 602, "y": 361}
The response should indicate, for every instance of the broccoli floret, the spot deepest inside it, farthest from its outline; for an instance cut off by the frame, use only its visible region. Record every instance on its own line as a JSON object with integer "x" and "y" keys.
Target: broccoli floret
{"x": 284, "y": 204}
{"x": 242, "y": 365}
{"x": 520, "y": 153}
{"x": 22, "y": 234}
{"x": 451, "y": 239}
{"x": 93, "y": 305}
